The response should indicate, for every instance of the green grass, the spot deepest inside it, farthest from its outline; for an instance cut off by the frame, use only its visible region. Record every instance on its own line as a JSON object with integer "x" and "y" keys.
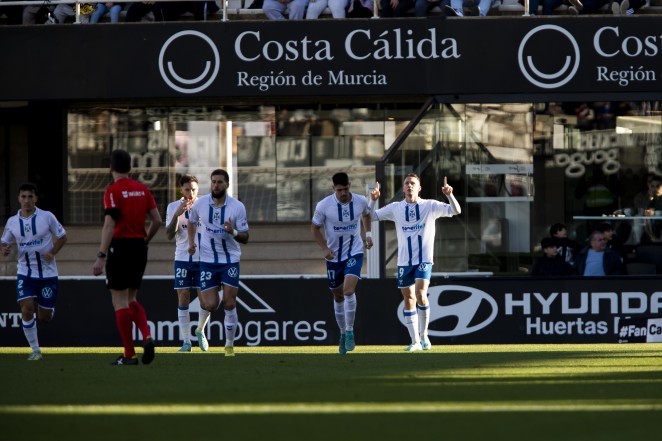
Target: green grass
{"x": 481, "y": 392}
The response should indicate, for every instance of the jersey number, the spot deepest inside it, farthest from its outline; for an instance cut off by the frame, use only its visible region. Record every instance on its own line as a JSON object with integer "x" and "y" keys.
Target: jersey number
{"x": 331, "y": 274}
{"x": 181, "y": 272}
{"x": 205, "y": 275}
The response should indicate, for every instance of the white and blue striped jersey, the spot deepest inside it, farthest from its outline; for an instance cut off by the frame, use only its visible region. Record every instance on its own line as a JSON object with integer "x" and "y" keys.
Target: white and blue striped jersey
{"x": 217, "y": 245}
{"x": 342, "y": 224}
{"x": 181, "y": 235}
{"x": 34, "y": 237}
{"x": 414, "y": 226}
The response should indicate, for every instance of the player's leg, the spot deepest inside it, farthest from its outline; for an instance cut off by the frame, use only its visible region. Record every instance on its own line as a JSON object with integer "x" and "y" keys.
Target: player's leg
{"x": 349, "y": 292}
{"x": 339, "y": 312}
{"x": 29, "y": 322}
{"x": 120, "y": 300}
{"x": 231, "y": 319}
{"x": 406, "y": 281}
{"x": 209, "y": 301}
{"x": 423, "y": 275}
{"x": 184, "y": 318}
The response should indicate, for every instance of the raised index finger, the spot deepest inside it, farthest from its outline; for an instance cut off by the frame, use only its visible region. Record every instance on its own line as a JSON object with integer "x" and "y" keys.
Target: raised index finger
{"x": 445, "y": 181}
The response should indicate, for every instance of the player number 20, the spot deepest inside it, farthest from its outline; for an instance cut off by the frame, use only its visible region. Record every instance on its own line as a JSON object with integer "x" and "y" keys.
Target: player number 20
{"x": 181, "y": 272}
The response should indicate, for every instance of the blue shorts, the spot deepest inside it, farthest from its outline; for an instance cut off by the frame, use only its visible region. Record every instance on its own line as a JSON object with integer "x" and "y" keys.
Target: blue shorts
{"x": 213, "y": 275}
{"x": 407, "y": 275}
{"x": 44, "y": 290}
{"x": 187, "y": 274}
{"x": 337, "y": 271}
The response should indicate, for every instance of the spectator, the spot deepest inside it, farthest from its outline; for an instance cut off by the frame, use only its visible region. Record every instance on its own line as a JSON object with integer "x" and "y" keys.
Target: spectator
{"x": 585, "y": 6}
{"x": 317, "y": 7}
{"x": 456, "y": 8}
{"x": 550, "y": 263}
{"x": 275, "y": 9}
{"x": 566, "y": 247}
{"x": 627, "y": 7}
{"x": 169, "y": 11}
{"x": 113, "y": 9}
{"x": 597, "y": 259}
{"x": 399, "y": 8}
{"x": 654, "y": 227}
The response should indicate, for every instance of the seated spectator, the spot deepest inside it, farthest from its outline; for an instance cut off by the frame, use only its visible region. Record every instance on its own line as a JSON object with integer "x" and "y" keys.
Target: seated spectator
{"x": 566, "y": 247}
{"x": 113, "y": 9}
{"x": 169, "y": 11}
{"x": 62, "y": 13}
{"x": 627, "y": 7}
{"x": 361, "y": 9}
{"x": 456, "y": 8}
{"x": 316, "y": 7}
{"x": 550, "y": 263}
{"x": 399, "y": 8}
{"x": 613, "y": 241}
{"x": 586, "y": 6}
{"x": 597, "y": 259}
{"x": 275, "y": 9}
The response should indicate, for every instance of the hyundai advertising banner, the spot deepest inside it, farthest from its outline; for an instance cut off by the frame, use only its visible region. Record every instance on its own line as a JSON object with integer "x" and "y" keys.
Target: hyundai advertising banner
{"x": 277, "y": 312}
{"x": 605, "y": 57}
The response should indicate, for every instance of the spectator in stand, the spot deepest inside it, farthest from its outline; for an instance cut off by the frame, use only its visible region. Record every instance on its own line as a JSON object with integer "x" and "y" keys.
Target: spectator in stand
{"x": 456, "y": 8}
{"x": 316, "y": 7}
{"x": 598, "y": 260}
{"x": 613, "y": 241}
{"x": 654, "y": 227}
{"x": 275, "y": 9}
{"x": 627, "y": 7}
{"x": 585, "y": 6}
{"x": 113, "y": 9}
{"x": 62, "y": 13}
{"x": 566, "y": 247}
{"x": 399, "y": 8}
{"x": 170, "y": 11}
{"x": 550, "y": 263}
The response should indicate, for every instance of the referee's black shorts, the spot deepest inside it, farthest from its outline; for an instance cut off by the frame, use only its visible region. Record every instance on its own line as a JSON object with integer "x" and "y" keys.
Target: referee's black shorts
{"x": 125, "y": 264}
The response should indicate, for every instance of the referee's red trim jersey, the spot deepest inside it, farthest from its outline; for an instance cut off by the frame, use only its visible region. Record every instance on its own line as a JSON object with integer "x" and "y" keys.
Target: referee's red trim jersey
{"x": 133, "y": 200}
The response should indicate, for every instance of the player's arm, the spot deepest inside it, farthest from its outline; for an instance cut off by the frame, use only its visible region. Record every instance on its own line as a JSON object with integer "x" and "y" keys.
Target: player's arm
{"x": 6, "y": 249}
{"x": 154, "y": 225}
{"x": 321, "y": 241}
{"x": 191, "y": 230}
{"x": 171, "y": 227}
{"x": 57, "y": 246}
{"x": 241, "y": 237}
{"x": 448, "y": 191}
{"x": 366, "y": 219}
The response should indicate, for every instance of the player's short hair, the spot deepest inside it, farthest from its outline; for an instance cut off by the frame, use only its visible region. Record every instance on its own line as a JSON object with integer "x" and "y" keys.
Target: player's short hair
{"x": 547, "y": 242}
{"x": 340, "y": 178}
{"x": 556, "y": 228}
{"x": 185, "y": 179}
{"x": 220, "y": 171}
{"x": 28, "y": 186}
{"x": 120, "y": 161}
{"x": 412, "y": 175}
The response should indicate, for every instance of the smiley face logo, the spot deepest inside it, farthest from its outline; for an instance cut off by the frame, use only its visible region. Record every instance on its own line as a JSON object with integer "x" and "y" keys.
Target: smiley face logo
{"x": 549, "y": 69}
{"x": 191, "y": 52}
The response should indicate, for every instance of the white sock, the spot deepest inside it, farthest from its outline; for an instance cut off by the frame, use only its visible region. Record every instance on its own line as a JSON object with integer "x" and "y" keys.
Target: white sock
{"x": 203, "y": 318}
{"x": 411, "y": 322}
{"x": 30, "y": 331}
{"x": 184, "y": 323}
{"x": 423, "y": 320}
{"x": 339, "y": 309}
{"x": 230, "y": 324}
{"x": 350, "y": 311}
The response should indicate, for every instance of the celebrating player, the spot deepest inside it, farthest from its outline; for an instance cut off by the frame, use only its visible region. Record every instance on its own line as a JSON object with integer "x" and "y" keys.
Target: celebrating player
{"x": 36, "y": 281}
{"x": 339, "y": 214}
{"x": 415, "y": 228}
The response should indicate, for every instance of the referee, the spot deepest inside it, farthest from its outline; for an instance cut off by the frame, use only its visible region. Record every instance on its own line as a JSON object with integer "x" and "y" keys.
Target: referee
{"x": 123, "y": 251}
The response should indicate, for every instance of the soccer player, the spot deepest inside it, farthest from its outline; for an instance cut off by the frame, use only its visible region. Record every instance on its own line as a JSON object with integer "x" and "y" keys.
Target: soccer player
{"x": 187, "y": 267}
{"x": 339, "y": 214}
{"x": 223, "y": 226}
{"x": 414, "y": 219}
{"x": 36, "y": 281}
{"x": 124, "y": 244}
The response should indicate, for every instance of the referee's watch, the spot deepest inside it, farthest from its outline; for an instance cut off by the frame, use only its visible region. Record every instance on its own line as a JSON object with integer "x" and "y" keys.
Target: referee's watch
{"x": 101, "y": 254}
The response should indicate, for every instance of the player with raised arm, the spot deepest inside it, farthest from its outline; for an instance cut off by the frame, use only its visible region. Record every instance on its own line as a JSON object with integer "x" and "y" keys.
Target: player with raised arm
{"x": 223, "y": 226}
{"x": 414, "y": 219}
{"x": 187, "y": 267}
{"x": 339, "y": 214}
{"x": 33, "y": 229}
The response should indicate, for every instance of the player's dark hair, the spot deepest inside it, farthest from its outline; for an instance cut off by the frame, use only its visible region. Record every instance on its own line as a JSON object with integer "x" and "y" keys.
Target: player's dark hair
{"x": 604, "y": 226}
{"x": 186, "y": 179}
{"x": 220, "y": 171}
{"x": 547, "y": 242}
{"x": 556, "y": 228}
{"x": 412, "y": 175}
{"x": 28, "y": 186}
{"x": 120, "y": 161}
{"x": 340, "y": 178}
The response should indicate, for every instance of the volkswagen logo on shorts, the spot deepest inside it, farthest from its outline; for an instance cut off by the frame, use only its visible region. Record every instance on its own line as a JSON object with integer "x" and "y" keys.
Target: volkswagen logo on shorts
{"x": 423, "y": 267}
{"x": 550, "y": 69}
{"x": 351, "y": 262}
{"x": 189, "y": 61}
{"x": 232, "y": 272}
{"x": 47, "y": 293}
{"x": 457, "y": 310}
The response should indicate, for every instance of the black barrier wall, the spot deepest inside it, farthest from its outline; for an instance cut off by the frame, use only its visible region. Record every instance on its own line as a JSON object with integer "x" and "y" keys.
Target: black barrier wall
{"x": 602, "y": 57}
{"x": 281, "y": 312}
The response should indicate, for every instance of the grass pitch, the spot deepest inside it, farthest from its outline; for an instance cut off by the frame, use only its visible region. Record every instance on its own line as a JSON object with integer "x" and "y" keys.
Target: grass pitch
{"x": 478, "y": 392}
